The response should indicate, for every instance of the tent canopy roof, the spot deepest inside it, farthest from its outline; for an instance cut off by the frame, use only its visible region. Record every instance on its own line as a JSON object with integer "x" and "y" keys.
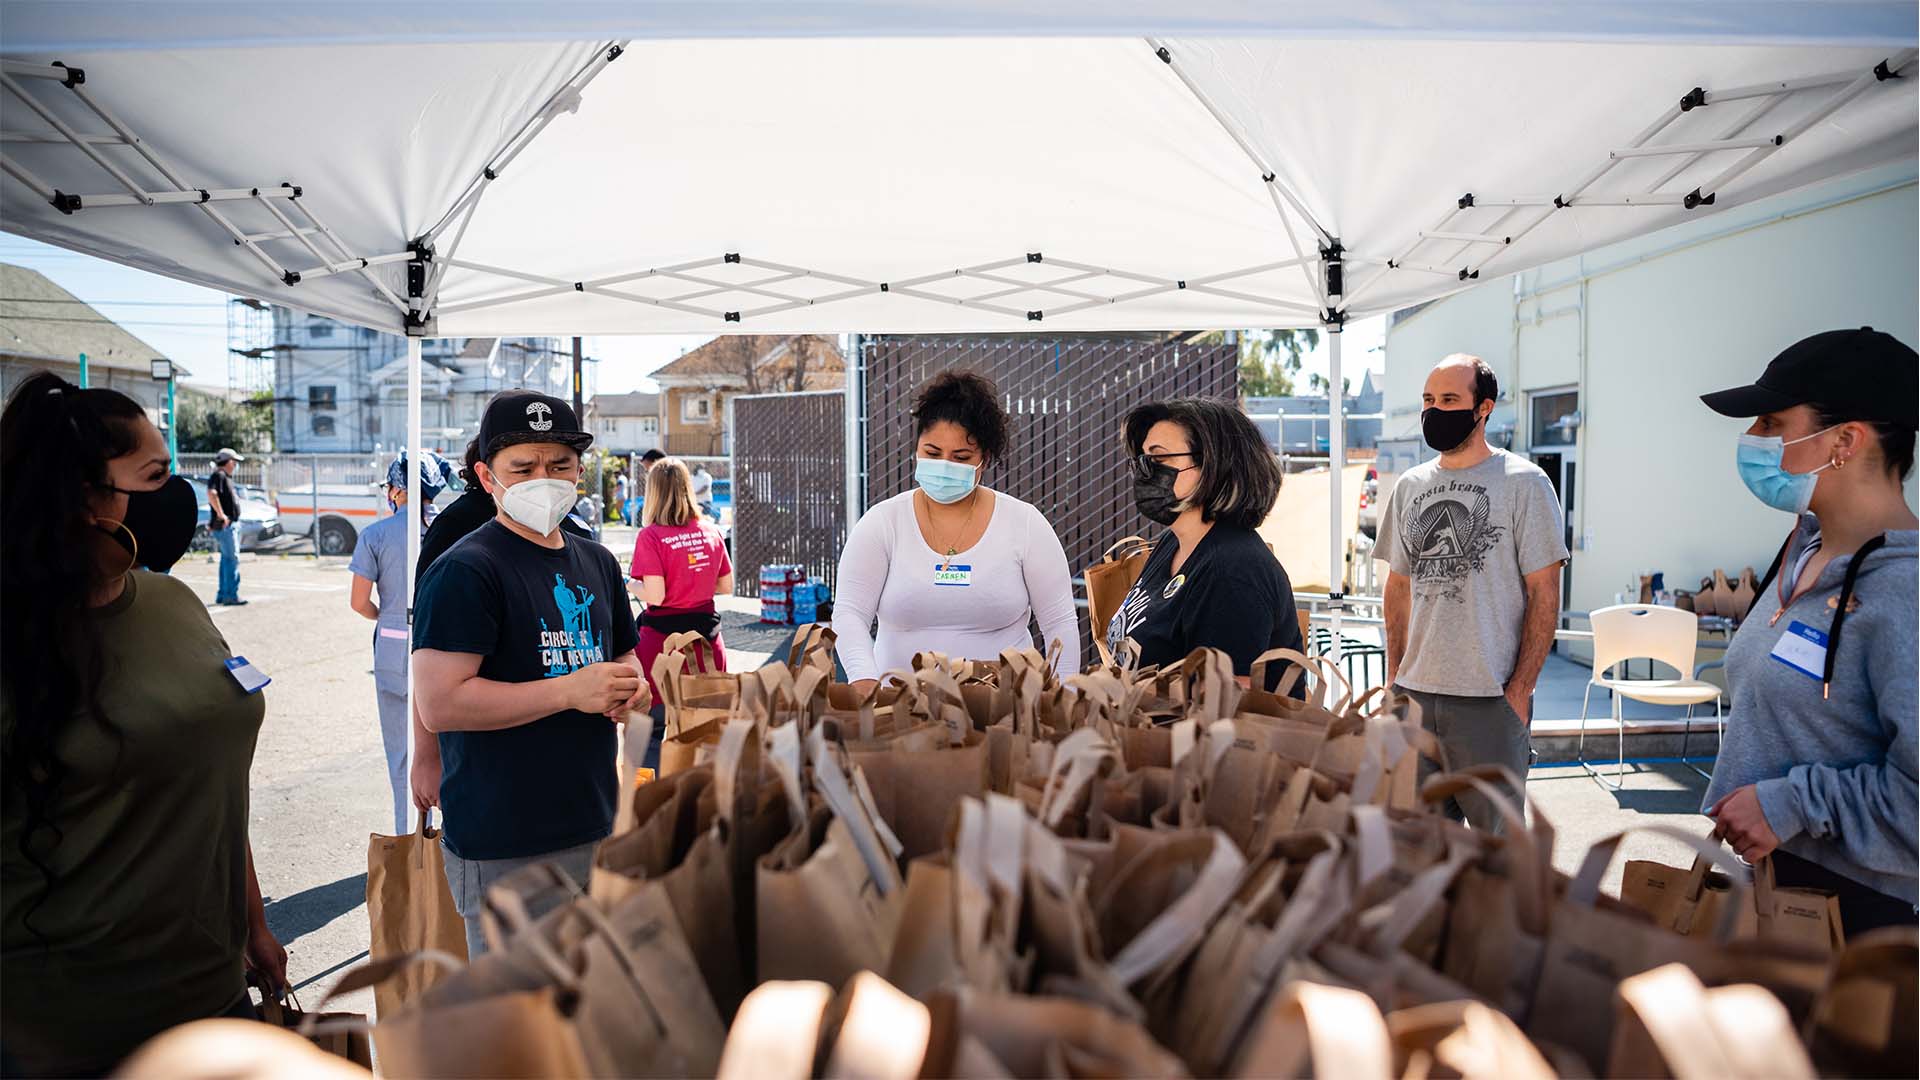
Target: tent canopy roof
{"x": 921, "y": 184}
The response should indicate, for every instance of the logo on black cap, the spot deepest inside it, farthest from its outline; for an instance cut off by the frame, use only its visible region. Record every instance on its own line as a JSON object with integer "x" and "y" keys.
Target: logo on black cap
{"x": 542, "y": 416}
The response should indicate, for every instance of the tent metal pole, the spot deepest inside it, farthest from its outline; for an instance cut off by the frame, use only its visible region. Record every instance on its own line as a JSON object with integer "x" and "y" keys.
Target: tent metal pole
{"x": 855, "y": 392}
{"x": 416, "y": 453}
{"x": 1336, "y": 460}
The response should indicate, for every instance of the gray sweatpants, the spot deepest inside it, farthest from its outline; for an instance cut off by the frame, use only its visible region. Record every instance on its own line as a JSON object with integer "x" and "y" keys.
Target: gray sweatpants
{"x": 1475, "y": 731}
{"x": 469, "y": 879}
{"x": 396, "y": 730}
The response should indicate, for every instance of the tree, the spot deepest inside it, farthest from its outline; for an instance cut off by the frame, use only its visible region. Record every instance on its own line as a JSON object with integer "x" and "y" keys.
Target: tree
{"x": 740, "y": 354}
{"x": 803, "y": 350}
{"x": 207, "y": 423}
{"x": 1269, "y": 359}
{"x": 1318, "y": 383}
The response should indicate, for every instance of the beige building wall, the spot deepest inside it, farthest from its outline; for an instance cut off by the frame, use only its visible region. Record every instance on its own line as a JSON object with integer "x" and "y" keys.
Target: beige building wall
{"x": 1641, "y": 330}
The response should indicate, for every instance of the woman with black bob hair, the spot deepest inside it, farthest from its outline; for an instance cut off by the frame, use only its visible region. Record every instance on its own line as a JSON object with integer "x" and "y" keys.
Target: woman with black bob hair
{"x": 1202, "y": 469}
{"x": 128, "y": 902}
{"x": 952, "y": 566}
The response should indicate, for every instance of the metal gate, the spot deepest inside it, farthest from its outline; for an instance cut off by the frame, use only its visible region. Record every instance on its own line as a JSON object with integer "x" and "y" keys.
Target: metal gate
{"x": 789, "y": 484}
{"x": 1068, "y": 396}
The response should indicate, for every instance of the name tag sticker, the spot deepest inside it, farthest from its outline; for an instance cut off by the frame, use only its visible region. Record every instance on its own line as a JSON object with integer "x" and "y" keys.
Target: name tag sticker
{"x": 1803, "y": 649}
{"x": 246, "y": 674}
{"x": 956, "y": 575}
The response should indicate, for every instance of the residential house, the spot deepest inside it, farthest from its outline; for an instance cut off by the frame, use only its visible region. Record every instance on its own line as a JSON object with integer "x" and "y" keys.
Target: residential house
{"x": 343, "y": 388}
{"x": 1299, "y": 425}
{"x": 625, "y": 423}
{"x": 1602, "y": 360}
{"x": 695, "y": 389}
{"x": 45, "y": 327}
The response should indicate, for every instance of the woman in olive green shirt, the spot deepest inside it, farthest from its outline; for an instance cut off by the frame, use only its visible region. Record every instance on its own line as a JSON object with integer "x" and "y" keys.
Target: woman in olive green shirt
{"x": 128, "y": 902}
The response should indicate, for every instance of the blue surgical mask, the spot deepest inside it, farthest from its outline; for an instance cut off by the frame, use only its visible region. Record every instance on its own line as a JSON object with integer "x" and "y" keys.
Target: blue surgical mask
{"x": 1758, "y": 459}
{"x": 944, "y": 481}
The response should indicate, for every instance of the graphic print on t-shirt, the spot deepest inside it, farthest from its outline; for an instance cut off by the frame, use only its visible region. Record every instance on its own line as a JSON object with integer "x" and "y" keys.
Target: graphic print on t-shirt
{"x": 1446, "y": 534}
{"x": 574, "y": 645}
{"x": 1133, "y": 610}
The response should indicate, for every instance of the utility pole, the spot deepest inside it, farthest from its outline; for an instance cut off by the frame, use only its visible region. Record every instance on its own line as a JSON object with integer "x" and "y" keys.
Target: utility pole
{"x": 579, "y": 410}
{"x": 83, "y": 371}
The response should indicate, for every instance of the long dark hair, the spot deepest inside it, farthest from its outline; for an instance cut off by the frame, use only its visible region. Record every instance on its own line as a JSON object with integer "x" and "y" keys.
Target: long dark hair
{"x": 55, "y": 442}
{"x": 1239, "y": 478}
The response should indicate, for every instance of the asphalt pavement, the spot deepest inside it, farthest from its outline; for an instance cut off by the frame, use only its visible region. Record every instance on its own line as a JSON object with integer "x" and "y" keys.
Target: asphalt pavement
{"x": 319, "y": 781}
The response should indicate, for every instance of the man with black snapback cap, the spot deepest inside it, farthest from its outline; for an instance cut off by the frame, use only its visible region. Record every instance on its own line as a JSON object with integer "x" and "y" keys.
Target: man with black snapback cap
{"x": 1818, "y": 767}
{"x": 523, "y": 653}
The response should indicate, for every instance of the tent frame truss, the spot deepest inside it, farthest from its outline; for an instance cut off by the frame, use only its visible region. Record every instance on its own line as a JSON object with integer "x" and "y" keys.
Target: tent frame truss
{"x": 334, "y": 258}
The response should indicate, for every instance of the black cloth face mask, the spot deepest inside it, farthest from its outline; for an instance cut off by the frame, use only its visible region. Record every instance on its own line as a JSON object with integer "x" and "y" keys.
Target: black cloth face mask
{"x": 161, "y": 523}
{"x": 1446, "y": 429}
{"x": 1153, "y": 492}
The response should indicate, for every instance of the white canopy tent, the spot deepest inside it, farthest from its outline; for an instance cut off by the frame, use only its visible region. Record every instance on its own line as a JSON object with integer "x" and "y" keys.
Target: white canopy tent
{"x": 825, "y": 166}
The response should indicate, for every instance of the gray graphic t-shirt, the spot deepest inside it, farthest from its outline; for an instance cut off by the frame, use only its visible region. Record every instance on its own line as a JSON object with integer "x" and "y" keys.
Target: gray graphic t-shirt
{"x": 1466, "y": 538}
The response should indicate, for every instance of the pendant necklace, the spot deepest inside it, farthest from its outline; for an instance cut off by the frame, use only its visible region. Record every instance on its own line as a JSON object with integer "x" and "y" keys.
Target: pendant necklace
{"x": 973, "y": 505}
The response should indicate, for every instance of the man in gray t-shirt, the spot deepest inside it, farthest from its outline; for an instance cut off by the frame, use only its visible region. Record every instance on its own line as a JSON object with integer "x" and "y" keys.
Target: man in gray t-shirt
{"x": 1474, "y": 544}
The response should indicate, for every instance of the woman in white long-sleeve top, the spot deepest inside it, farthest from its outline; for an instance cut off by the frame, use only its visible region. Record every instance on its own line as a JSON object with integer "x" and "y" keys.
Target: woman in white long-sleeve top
{"x": 951, "y": 566}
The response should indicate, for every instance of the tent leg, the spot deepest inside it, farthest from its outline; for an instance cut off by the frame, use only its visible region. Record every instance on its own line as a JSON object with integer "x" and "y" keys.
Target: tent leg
{"x": 415, "y": 455}
{"x": 1336, "y": 458}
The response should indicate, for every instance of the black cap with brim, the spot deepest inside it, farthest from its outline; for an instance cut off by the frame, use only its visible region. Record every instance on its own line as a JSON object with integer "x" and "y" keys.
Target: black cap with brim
{"x": 1862, "y": 374}
{"x": 579, "y": 441}
{"x": 1744, "y": 401}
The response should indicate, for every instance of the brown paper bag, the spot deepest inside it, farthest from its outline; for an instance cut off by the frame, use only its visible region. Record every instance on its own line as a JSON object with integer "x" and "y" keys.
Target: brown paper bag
{"x": 476, "y": 1033}
{"x": 1670, "y": 1026}
{"x": 976, "y": 1034}
{"x": 344, "y": 1035}
{"x": 828, "y": 896}
{"x": 1463, "y": 1039}
{"x": 1109, "y": 581}
{"x": 1863, "y": 1024}
{"x": 637, "y": 1002}
{"x": 410, "y": 908}
{"x": 1499, "y": 909}
{"x": 696, "y": 696}
{"x": 1593, "y": 946}
{"x": 1330, "y": 1029}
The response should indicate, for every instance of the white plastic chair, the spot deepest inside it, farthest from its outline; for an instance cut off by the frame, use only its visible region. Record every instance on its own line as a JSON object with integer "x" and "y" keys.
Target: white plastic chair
{"x": 1645, "y": 631}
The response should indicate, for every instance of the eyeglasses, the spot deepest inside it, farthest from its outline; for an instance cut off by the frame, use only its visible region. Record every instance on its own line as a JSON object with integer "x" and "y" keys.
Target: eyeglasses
{"x": 1143, "y": 463}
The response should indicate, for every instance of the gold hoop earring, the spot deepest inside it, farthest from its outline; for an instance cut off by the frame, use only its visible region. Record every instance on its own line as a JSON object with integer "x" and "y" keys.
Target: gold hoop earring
{"x": 133, "y": 558}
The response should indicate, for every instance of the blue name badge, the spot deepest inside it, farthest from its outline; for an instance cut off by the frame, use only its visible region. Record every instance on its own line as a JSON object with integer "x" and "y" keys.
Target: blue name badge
{"x": 248, "y": 676}
{"x": 956, "y": 576}
{"x": 1803, "y": 649}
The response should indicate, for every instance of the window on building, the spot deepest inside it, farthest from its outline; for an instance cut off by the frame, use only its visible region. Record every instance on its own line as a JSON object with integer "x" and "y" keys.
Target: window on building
{"x": 1556, "y": 418}
{"x": 373, "y": 423}
{"x": 320, "y": 397}
{"x": 649, "y": 425}
{"x": 321, "y": 425}
{"x": 319, "y": 327}
{"x": 696, "y": 408}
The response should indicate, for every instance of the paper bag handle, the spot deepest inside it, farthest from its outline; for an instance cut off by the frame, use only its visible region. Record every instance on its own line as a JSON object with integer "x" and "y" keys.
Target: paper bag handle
{"x": 370, "y": 974}
{"x": 1585, "y": 889}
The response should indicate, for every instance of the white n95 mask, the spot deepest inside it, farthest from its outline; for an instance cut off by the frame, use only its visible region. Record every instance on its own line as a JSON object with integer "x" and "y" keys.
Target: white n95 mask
{"x": 539, "y": 504}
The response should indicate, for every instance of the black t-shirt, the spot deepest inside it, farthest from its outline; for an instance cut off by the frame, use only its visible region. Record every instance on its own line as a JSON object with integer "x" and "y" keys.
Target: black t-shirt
{"x": 451, "y": 525}
{"x": 220, "y": 486}
{"x": 532, "y": 613}
{"x": 1231, "y": 595}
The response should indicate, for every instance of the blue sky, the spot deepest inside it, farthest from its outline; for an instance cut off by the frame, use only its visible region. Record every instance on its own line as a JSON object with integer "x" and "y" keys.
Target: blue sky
{"x": 189, "y": 324}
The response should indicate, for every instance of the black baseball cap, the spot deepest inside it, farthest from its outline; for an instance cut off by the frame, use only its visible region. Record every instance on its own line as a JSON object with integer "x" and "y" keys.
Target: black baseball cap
{"x": 1862, "y": 374}
{"x": 528, "y": 416}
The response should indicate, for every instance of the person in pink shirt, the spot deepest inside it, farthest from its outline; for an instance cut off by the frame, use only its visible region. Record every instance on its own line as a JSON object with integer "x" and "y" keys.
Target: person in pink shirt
{"x": 680, "y": 564}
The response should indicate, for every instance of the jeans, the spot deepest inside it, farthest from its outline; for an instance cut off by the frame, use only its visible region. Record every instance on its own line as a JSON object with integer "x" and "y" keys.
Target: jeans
{"x": 228, "y": 540}
{"x": 469, "y": 880}
{"x": 1475, "y": 731}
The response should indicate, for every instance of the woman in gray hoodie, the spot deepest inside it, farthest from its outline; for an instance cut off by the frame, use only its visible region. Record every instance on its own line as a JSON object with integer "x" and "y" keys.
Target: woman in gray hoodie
{"x": 1818, "y": 767}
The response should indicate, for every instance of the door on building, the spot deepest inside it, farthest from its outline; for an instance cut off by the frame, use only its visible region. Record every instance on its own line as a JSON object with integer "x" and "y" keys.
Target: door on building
{"x": 1553, "y": 430}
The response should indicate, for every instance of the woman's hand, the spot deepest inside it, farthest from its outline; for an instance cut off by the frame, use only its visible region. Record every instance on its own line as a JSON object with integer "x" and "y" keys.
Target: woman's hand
{"x": 266, "y": 957}
{"x": 1744, "y": 824}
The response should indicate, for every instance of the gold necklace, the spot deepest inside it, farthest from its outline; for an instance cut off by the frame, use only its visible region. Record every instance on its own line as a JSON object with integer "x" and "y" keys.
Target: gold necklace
{"x": 973, "y": 504}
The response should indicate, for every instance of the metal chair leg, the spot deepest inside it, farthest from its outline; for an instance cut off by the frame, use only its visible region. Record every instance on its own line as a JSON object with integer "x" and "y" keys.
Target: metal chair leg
{"x": 1580, "y": 744}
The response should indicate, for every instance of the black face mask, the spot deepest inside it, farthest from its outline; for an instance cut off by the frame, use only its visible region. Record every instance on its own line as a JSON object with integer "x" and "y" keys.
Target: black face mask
{"x": 1153, "y": 492}
{"x": 162, "y": 522}
{"x": 1446, "y": 429}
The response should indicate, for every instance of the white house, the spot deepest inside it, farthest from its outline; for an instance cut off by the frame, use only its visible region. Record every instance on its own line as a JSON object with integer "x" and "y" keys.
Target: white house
{"x": 1602, "y": 360}
{"x": 625, "y": 423}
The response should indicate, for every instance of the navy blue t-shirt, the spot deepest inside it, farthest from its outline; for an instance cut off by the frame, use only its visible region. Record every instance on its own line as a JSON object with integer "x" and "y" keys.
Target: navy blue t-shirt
{"x": 530, "y": 612}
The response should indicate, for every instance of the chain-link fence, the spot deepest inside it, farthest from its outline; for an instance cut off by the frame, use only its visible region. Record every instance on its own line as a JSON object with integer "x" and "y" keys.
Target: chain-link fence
{"x": 1068, "y": 396}
{"x": 789, "y": 457}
